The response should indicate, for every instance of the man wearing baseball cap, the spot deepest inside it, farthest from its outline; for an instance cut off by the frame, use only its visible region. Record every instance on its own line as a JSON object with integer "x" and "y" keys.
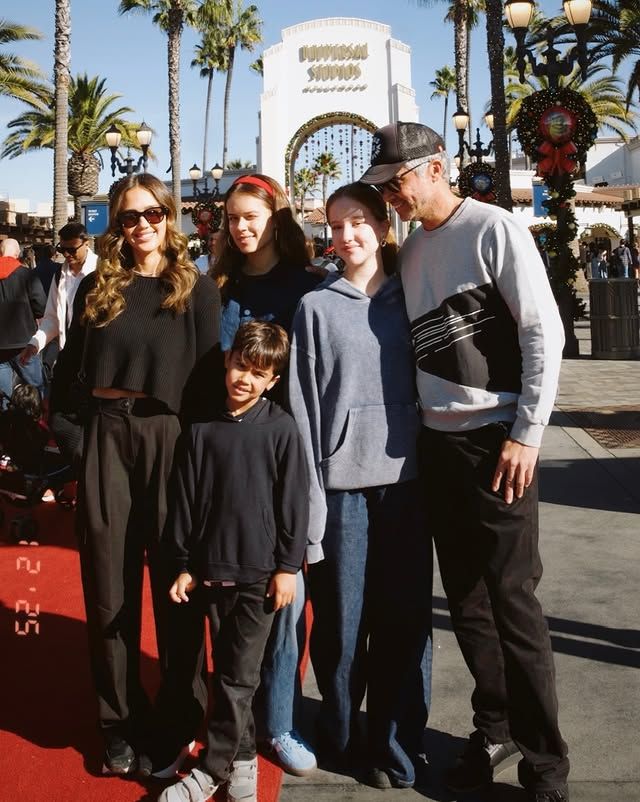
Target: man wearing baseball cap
{"x": 488, "y": 344}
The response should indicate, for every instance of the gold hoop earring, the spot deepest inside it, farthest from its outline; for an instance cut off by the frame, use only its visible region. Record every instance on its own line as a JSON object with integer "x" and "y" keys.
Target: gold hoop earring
{"x": 383, "y": 243}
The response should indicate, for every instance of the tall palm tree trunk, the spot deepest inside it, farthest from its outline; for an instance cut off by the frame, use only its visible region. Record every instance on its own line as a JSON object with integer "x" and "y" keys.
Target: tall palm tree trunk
{"x": 62, "y": 58}
{"x": 495, "y": 49}
{"x": 206, "y": 121}
{"x": 446, "y": 114}
{"x": 173, "y": 61}
{"x": 460, "y": 52}
{"x": 227, "y": 96}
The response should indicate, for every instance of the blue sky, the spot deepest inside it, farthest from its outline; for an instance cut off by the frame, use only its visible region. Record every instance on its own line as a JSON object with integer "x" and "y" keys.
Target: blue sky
{"x": 131, "y": 54}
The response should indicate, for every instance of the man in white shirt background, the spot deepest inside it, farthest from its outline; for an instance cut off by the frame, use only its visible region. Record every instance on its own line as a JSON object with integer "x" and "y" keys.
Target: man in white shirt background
{"x": 79, "y": 261}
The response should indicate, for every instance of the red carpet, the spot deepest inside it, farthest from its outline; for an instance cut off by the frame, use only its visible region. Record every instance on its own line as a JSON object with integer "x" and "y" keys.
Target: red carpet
{"x": 49, "y": 746}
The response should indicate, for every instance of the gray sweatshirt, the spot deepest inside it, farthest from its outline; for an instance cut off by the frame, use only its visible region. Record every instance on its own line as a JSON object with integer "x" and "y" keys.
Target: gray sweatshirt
{"x": 486, "y": 329}
{"x": 352, "y": 392}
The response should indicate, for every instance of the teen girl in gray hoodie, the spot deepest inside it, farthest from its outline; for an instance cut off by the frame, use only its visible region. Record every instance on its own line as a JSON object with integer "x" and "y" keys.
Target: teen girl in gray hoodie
{"x": 352, "y": 392}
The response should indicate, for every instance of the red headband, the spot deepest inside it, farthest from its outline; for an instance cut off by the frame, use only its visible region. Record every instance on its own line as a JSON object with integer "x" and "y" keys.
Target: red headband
{"x": 258, "y": 182}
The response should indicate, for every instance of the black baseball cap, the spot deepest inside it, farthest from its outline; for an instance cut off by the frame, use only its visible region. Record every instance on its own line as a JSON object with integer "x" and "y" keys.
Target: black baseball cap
{"x": 397, "y": 143}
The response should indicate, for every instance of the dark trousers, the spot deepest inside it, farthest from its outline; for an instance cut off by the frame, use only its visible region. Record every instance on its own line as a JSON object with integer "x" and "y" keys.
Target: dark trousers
{"x": 240, "y": 620}
{"x": 371, "y": 598}
{"x": 128, "y": 452}
{"x": 490, "y": 568}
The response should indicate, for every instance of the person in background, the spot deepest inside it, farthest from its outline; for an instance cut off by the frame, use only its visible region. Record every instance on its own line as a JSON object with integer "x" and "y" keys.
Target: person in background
{"x": 225, "y": 572}
{"x": 47, "y": 266}
{"x": 624, "y": 259}
{"x": 352, "y": 393}
{"x": 79, "y": 261}
{"x": 22, "y": 300}
{"x": 29, "y": 257}
{"x": 488, "y": 345}
{"x": 599, "y": 264}
{"x": 262, "y": 273}
{"x": 207, "y": 260}
{"x": 145, "y": 328}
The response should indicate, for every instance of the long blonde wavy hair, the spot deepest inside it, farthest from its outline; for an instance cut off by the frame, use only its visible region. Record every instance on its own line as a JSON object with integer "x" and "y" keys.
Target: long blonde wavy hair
{"x": 114, "y": 271}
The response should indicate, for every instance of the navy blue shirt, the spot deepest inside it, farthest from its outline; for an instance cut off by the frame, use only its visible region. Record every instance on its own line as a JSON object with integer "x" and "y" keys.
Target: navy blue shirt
{"x": 272, "y": 297}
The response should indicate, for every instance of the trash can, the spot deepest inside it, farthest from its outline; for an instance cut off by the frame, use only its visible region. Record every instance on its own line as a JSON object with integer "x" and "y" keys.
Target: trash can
{"x": 615, "y": 322}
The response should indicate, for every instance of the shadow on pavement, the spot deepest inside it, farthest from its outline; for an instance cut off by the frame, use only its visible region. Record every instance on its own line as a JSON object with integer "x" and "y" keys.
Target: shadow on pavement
{"x": 586, "y": 484}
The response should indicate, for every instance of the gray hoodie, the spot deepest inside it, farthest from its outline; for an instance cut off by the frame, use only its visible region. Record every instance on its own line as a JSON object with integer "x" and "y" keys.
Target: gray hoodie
{"x": 352, "y": 392}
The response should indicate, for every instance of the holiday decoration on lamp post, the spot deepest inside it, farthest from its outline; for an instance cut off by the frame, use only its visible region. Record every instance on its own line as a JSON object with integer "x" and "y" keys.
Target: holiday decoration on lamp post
{"x": 556, "y": 127}
{"x": 477, "y": 178}
{"x": 206, "y": 214}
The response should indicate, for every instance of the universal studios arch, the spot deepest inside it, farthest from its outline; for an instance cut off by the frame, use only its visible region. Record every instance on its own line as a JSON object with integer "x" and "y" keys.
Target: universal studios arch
{"x": 327, "y": 86}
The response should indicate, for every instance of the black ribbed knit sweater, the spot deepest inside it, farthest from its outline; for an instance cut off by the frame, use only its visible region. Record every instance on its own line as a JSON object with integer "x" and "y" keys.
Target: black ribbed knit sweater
{"x": 166, "y": 355}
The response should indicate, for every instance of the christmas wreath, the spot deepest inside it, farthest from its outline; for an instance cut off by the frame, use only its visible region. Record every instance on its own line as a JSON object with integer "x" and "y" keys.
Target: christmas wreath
{"x": 207, "y": 216}
{"x": 556, "y": 128}
{"x": 477, "y": 180}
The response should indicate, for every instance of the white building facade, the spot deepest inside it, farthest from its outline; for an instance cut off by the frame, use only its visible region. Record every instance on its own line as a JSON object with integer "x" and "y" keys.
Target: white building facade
{"x": 327, "y": 72}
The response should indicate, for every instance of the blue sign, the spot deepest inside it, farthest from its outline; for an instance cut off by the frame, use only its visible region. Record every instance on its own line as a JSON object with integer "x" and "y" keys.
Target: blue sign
{"x": 96, "y": 218}
{"x": 540, "y": 193}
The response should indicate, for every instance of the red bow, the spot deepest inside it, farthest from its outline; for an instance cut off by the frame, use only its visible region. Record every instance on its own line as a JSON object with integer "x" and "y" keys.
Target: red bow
{"x": 556, "y": 159}
{"x": 485, "y": 197}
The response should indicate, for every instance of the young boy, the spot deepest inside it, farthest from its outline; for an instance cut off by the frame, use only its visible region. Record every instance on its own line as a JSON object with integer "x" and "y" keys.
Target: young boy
{"x": 237, "y": 533}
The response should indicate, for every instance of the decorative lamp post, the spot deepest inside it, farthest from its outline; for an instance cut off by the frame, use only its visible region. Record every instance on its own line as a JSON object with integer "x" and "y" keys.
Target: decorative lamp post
{"x": 477, "y": 178}
{"x": 129, "y": 165}
{"x": 195, "y": 174}
{"x": 206, "y": 213}
{"x": 556, "y": 127}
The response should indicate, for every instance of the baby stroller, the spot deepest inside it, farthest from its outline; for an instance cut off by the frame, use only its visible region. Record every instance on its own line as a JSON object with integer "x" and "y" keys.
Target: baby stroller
{"x": 29, "y": 466}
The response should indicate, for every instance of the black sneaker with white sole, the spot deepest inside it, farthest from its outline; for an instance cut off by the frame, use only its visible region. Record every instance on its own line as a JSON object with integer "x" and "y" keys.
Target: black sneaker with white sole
{"x": 480, "y": 761}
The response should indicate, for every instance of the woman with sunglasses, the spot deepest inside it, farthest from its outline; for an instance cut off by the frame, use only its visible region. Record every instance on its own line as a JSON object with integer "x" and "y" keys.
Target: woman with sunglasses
{"x": 352, "y": 393}
{"x": 144, "y": 333}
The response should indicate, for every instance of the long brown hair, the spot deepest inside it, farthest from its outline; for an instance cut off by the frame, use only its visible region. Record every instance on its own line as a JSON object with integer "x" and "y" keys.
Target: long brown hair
{"x": 114, "y": 271}
{"x": 289, "y": 239}
{"x": 372, "y": 200}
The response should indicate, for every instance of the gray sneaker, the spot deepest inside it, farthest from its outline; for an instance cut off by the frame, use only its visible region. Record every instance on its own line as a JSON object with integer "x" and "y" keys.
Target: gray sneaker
{"x": 242, "y": 785}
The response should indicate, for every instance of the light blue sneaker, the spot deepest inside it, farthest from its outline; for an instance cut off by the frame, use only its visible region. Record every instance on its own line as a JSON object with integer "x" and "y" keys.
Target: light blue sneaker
{"x": 292, "y": 754}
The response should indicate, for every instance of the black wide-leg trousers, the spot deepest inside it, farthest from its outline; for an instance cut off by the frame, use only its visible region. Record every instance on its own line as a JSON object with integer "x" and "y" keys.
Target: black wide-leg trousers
{"x": 490, "y": 567}
{"x": 128, "y": 454}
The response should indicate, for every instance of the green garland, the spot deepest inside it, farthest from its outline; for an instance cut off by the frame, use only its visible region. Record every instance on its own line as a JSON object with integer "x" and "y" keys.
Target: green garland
{"x": 559, "y": 180}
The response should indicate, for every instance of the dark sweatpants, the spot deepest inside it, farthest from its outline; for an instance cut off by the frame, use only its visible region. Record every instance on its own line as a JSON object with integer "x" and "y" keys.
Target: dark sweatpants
{"x": 240, "y": 620}
{"x": 128, "y": 452}
{"x": 490, "y": 567}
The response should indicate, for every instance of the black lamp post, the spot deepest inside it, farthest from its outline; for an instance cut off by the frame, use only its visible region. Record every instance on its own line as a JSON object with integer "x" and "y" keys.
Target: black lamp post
{"x": 460, "y": 121}
{"x": 195, "y": 173}
{"x": 556, "y": 127}
{"x": 578, "y": 13}
{"x": 129, "y": 165}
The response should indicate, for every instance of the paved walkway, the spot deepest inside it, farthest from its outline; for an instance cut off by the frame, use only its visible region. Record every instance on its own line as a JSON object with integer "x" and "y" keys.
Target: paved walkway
{"x": 590, "y": 544}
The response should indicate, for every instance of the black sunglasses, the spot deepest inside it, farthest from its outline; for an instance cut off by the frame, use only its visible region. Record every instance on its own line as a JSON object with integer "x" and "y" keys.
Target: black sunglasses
{"x": 395, "y": 184}
{"x": 131, "y": 218}
{"x": 69, "y": 248}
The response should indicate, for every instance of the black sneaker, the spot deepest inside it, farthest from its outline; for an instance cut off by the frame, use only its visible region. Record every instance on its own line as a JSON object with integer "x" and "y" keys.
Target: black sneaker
{"x": 480, "y": 761}
{"x": 119, "y": 757}
{"x": 555, "y": 795}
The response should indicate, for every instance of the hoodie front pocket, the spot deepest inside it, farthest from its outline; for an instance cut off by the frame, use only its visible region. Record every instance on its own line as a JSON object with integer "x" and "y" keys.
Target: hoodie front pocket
{"x": 378, "y": 447}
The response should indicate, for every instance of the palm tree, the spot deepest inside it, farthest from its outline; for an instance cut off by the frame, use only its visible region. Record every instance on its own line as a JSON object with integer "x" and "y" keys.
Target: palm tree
{"x": 616, "y": 27}
{"x": 326, "y": 166}
{"x": 19, "y": 78}
{"x": 61, "y": 77}
{"x": 171, "y": 17}
{"x": 257, "y": 66}
{"x": 211, "y": 57}
{"x": 241, "y": 27}
{"x": 444, "y": 84}
{"x": 501, "y": 148}
{"x": 305, "y": 182}
{"x": 238, "y": 164}
{"x": 90, "y": 114}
